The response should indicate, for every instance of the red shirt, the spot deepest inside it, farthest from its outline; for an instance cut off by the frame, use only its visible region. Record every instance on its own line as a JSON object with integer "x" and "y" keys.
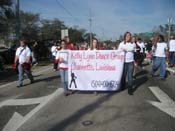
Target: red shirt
{"x": 70, "y": 46}
{"x": 82, "y": 48}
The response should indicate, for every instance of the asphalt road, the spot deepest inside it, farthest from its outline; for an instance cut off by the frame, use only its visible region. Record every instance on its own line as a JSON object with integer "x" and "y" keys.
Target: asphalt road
{"x": 47, "y": 109}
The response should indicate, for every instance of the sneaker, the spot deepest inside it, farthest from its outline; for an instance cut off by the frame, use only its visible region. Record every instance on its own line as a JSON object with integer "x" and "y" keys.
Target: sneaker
{"x": 35, "y": 63}
{"x": 143, "y": 68}
{"x": 154, "y": 75}
{"x": 72, "y": 92}
{"x": 134, "y": 76}
{"x": 66, "y": 94}
{"x": 162, "y": 79}
{"x": 95, "y": 92}
{"x": 32, "y": 81}
{"x": 130, "y": 92}
{"x": 19, "y": 86}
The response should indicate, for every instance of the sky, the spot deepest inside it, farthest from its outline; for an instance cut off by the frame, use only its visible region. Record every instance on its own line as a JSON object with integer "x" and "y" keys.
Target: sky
{"x": 110, "y": 18}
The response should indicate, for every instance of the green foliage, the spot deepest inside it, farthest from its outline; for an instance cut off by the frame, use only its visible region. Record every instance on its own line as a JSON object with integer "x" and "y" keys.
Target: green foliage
{"x": 29, "y": 25}
{"x": 6, "y": 19}
{"x": 76, "y": 35}
{"x": 51, "y": 29}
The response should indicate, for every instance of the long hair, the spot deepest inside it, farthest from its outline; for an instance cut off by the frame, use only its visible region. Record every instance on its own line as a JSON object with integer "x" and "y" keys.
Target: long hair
{"x": 135, "y": 39}
{"x": 125, "y": 36}
{"x": 64, "y": 43}
{"x": 161, "y": 38}
{"x": 92, "y": 43}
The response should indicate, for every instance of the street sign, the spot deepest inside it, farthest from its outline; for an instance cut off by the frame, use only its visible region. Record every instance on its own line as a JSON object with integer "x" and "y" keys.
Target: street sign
{"x": 64, "y": 33}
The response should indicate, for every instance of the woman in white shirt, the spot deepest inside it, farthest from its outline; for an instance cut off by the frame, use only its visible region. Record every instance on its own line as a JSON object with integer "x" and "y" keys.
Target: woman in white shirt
{"x": 62, "y": 60}
{"x": 160, "y": 53}
{"x": 129, "y": 49}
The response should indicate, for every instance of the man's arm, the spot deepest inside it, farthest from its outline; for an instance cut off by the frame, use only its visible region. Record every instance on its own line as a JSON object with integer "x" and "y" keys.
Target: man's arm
{"x": 16, "y": 59}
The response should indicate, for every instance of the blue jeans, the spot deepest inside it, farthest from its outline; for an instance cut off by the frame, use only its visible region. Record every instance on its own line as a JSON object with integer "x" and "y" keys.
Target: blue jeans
{"x": 128, "y": 71}
{"x": 64, "y": 79}
{"x": 159, "y": 63}
{"x": 21, "y": 74}
{"x": 172, "y": 58}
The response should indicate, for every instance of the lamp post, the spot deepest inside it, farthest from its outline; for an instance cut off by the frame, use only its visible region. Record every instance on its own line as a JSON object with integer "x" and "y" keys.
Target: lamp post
{"x": 17, "y": 21}
{"x": 169, "y": 28}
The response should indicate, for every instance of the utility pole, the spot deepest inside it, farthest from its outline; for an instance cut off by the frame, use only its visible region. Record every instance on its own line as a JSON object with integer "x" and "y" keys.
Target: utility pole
{"x": 169, "y": 28}
{"x": 17, "y": 22}
{"x": 90, "y": 24}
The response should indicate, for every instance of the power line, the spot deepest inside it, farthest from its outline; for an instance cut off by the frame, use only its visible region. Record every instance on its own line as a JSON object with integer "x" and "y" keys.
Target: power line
{"x": 67, "y": 11}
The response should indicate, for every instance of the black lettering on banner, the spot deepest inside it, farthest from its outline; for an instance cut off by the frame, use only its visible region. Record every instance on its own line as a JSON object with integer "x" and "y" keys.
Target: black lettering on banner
{"x": 104, "y": 84}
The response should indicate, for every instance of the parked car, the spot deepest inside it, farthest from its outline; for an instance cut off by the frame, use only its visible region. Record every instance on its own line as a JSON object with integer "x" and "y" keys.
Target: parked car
{"x": 7, "y": 55}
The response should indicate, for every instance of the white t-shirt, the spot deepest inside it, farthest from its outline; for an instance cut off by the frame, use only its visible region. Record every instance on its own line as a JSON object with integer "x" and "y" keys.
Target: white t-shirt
{"x": 142, "y": 46}
{"x": 54, "y": 50}
{"x": 62, "y": 54}
{"x": 172, "y": 46}
{"x": 130, "y": 48}
{"x": 160, "y": 49}
{"x": 24, "y": 55}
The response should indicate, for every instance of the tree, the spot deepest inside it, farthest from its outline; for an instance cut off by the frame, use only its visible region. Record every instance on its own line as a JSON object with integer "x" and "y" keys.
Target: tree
{"x": 164, "y": 29}
{"x": 51, "y": 29}
{"x": 29, "y": 25}
{"x": 76, "y": 35}
{"x": 6, "y": 19}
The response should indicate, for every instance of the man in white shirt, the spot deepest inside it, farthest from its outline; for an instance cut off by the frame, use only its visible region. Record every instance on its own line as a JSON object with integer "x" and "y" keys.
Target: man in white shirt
{"x": 172, "y": 52}
{"x": 23, "y": 59}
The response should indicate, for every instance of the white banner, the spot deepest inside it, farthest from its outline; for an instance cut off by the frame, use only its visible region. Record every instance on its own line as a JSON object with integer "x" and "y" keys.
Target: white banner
{"x": 99, "y": 70}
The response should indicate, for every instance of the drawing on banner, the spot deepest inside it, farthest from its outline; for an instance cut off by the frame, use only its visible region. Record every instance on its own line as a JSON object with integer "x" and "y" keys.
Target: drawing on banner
{"x": 73, "y": 78}
{"x": 95, "y": 70}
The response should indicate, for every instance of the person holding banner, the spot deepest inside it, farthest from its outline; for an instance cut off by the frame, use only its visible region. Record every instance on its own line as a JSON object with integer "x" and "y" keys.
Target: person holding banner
{"x": 62, "y": 60}
{"x": 129, "y": 49}
{"x": 94, "y": 45}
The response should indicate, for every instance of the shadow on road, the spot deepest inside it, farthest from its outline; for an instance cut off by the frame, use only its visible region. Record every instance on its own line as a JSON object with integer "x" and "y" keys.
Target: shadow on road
{"x": 76, "y": 116}
{"x": 143, "y": 72}
{"x": 140, "y": 81}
